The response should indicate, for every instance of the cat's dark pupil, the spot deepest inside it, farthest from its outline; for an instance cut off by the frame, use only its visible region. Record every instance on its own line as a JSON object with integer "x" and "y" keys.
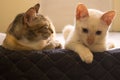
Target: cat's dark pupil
{"x": 85, "y": 30}
{"x": 98, "y": 32}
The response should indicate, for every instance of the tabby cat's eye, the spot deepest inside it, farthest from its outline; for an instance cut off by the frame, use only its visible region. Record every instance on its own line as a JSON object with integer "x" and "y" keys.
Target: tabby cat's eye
{"x": 47, "y": 27}
{"x": 85, "y": 30}
{"x": 98, "y": 32}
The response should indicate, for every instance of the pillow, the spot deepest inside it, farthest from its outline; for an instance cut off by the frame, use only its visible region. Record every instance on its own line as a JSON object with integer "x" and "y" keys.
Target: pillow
{"x": 58, "y": 64}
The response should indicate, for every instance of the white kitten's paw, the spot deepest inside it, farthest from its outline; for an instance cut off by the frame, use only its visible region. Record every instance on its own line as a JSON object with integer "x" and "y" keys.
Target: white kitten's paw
{"x": 87, "y": 57}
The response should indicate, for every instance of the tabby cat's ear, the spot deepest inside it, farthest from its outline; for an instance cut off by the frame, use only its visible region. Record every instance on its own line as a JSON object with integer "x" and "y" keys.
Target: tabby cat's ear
{"x": 30, "y": 14}
{"x": 107, "y": 17}
{"x": 37, "y": 6}
{"x": 81, "y": 11}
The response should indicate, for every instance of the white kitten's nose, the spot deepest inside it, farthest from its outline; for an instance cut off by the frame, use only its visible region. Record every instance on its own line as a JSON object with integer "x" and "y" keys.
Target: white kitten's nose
{"x": 90, "y": 40}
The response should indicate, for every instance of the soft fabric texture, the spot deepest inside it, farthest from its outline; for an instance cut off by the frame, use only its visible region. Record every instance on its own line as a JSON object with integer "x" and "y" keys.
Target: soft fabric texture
{"x": 58, "y": 64}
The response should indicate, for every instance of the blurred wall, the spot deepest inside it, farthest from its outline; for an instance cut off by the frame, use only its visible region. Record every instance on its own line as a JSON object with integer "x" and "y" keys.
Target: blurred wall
{"x": 61, "y": 12}
{"x": 116, "y": 23}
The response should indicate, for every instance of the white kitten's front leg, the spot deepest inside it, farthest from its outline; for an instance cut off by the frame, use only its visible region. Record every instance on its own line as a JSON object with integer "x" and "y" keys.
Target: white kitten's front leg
{"x": 84, "y": 53}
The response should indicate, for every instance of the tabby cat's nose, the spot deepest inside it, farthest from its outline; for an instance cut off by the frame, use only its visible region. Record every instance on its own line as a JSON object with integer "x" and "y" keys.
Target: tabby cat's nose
{"x": 51, "y": 30}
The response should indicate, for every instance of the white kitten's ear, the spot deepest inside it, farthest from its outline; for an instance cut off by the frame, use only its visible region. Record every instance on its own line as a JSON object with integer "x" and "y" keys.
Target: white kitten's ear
{"x": 30, "y": 14}
{"x": 108, "y": 17}
{"x": 81, "y": 11}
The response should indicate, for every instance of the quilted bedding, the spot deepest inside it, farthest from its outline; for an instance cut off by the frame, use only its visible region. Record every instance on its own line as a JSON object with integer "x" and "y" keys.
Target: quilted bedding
{"x": 58, "y": 64}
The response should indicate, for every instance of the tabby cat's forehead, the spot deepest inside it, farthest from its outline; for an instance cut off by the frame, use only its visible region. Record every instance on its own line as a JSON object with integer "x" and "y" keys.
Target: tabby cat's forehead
{"x": 40, "y": 16}
{"x": 42, "y": 20}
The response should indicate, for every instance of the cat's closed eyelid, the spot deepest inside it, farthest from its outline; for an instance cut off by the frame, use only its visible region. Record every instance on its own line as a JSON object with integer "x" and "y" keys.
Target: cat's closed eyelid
{"x": 47, "y": 27}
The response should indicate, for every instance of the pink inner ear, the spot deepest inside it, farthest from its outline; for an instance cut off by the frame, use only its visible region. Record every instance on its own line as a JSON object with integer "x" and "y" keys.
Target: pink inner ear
{"x": 81, "y": 11}
{"x": 29, "y": 15}
{"x": 108, "y": 17}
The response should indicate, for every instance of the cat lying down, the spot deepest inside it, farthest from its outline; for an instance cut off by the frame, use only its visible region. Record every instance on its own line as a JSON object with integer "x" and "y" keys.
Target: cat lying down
{"x": 89, "y": 32}
{"x": 31, "y": 31}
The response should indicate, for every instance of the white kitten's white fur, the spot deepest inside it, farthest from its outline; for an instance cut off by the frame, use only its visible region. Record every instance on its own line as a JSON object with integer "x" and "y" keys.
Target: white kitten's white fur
{"x": 82, "y": 42}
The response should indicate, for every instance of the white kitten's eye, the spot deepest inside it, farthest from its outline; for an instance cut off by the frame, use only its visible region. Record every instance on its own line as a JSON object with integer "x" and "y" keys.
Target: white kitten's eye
{"x": 85, "y": 30}
{"x": 98, "y": 32}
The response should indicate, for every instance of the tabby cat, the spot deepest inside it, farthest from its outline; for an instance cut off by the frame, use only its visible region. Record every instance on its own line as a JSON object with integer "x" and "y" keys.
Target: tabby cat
{"x": 89, "y": 33}
{"x": 31, "y": 31}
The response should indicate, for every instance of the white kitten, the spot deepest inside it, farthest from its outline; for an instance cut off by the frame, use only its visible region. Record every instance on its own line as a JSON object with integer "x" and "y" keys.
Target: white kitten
{"x": 89, "y": 33}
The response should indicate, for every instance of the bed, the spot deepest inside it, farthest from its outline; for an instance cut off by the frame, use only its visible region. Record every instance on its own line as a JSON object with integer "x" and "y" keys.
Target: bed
{"x": 58, "y": 64}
